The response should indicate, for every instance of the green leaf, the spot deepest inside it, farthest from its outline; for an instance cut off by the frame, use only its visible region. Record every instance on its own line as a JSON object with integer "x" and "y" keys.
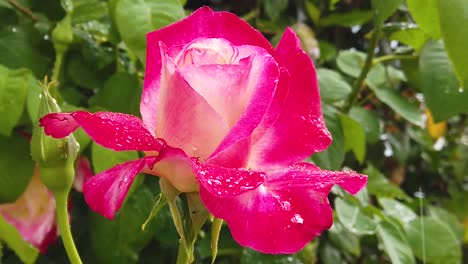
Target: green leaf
{"x": 425, "y": 13}
{"x": 353, "y": 218}
{"x": 13, "y": 89}
{"x": 121, "y": 240}
{"x": 355, "y": 137}
{"x": 369, "y": 121}
{"x": 215, "y": 232}
{"x": 433, "y": 241}
{"x": 395, "y": 243}
{"x": 448, "y": 219}
{"x": 384, "y": 9}
{"x": 250, "y": 256}
{"x": 165, "y": 12}
{"x": 88, "y": 10}
{"x": 12, "y": 238}
{"x": 413, "y": 37}
{"x": 133, "y": 21}
{"x": 344, "y": 239}
{"x": 397, "y": 210}
{"x": 442, "y": 92}
{"x": 453, "y": 14}
{"x": 135, "y": 18}
{"x": 103, "y": 158}
{"x": 81, "y": 74}
{"x": 312, "y": 10}
{"x": 381, "y": 85}
{"x": 378, "y": 185}
{"x": 333, "y": 156}
{"x": 121, "y": 93}
{"x": 332, "y": 85}
{"x": 274, "y": 8}
{"x": 351, "y": 62}
{"x": 33, "y": 99}
{"x": 158, "y": 205}
{"x": 327, "y": 51}
{"x": 16, "y": 167}
{"x": 330, "y": 255}
{"x": 349, "y": 19}
{"x": 18, "y": 49}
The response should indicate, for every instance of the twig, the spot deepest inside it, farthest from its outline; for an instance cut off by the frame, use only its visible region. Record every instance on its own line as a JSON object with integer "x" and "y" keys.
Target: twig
{"x": 359, "y": 83}
{"x": 26, "y": 11}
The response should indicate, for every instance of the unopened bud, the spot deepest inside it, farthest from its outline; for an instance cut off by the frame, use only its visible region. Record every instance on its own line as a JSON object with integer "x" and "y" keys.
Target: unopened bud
{"x": 55, "y": 157}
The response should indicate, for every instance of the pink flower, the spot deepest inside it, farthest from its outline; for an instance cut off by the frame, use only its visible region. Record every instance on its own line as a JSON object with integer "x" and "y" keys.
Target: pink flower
{"x": 33, "y": 214}
{"x": 247, "y": 113}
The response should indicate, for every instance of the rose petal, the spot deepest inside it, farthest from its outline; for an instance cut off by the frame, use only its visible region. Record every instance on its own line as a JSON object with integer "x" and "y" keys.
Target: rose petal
{"x": 300, "y": 130}
{"x": 202, "y": 23}
{"x": 185, "y": 119}
{"x": 228, "y": 182}
{"x": 83, "y": 172}
{"x": 284, "y": 212}
{"x": 106, "y": 191}
{"x": 59, "y": 125}
{"x": 33, "y": 214}
{"x": 274, "y": 222}
{"x": 111, "y": 130}
{"x": 224, "y": 87}
{"x": 236, "y": 155}
{"x": 307, "y": 175}
{"x": 175, "y": 166}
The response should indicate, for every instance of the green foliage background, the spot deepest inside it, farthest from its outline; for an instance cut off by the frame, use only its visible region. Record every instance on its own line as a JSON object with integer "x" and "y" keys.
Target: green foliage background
{"x": 383, "y": 67}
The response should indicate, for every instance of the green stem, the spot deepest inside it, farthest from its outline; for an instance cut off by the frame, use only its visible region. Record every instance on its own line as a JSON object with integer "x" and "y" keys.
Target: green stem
{"x": 57, "y": 66}
{"x": 393, "y": 57}
{"x": 184, "y": 254}
{"x": 61, "y": 200}
{"x": 359, "y": 83}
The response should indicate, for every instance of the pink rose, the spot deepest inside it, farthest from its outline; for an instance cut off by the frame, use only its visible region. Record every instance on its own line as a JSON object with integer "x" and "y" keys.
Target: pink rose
{"x": 227, "y": 114}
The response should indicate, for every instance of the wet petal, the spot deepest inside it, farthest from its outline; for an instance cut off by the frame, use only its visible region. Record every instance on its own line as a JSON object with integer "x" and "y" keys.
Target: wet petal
{"x": 221, "y": 181}
{"x": 106, "y": 191}
{"x": 274, "y": 222}
{"x": 111, "y": 130}
{"x": 300, "y": 129}
{"x": 281, "y": 214}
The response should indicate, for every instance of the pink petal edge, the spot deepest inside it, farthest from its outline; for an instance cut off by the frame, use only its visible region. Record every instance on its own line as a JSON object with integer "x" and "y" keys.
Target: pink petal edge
{"x": 300, "y": 129}
{"x": 106, "y": 191}
{"x": 201, "y": 23}
{"x": 292, "y": 201}
{"x": 111, "y": 130}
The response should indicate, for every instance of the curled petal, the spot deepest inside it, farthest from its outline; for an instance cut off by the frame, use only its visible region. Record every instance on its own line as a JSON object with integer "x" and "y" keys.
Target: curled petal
{"x": 59, "y": 125}
{"x": 203, "y": 23}
{"x": 284, "y": 212}
{"x": 111, "y": 130}
{"x": 83, "y": 172}
{"x": 300, "y": 129}
{"x": 176, "y": 167}
{"x": 185, "y": 119}
{"x": 263, "y": 80}
{"x": 106, "y": 191}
